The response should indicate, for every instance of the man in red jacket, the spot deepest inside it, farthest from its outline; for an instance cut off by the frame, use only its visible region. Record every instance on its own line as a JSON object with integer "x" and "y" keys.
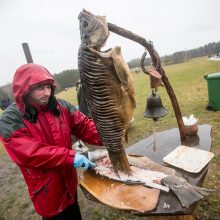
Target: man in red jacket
{"x": 36, "y": 132}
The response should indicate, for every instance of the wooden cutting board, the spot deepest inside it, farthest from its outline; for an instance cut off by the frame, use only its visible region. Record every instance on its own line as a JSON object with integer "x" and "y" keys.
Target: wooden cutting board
{"x": 119, "y": 195}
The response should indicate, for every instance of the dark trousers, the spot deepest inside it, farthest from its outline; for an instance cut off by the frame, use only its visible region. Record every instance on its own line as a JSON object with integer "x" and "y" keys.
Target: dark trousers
{"x": 72, "y": 212}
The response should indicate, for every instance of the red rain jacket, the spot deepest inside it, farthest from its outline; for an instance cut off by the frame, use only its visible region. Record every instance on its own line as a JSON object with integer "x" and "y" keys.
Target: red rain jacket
{"x": 43, "y": 150}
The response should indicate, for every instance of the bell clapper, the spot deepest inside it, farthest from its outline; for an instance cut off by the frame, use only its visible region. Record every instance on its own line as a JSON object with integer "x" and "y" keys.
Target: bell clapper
{"x": 153, "y": 91}
{"x": 154, "y": 134}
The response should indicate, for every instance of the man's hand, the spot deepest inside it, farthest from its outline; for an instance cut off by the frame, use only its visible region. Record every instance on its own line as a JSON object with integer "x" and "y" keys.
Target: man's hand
{"x": 82, "y": 161}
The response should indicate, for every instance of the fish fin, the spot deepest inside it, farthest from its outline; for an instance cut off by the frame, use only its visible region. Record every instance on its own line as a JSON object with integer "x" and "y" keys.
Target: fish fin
{"x": 187, "y": 193}
{"x": 121, "y": 67}
{"x": 132, "y": 98}
{"x": 123, "y": 72}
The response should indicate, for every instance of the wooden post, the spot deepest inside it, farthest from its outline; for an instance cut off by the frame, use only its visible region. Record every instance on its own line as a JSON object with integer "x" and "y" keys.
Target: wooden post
{"x": 27, "y": 53}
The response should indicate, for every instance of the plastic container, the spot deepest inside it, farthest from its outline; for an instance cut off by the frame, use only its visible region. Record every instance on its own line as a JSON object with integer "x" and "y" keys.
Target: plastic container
{"x": 213, "y": 81}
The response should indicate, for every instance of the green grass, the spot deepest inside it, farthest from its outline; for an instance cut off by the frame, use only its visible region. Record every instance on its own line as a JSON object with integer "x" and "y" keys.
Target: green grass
{"x": 190, "y": 87}
{"x": 69, "y": 95}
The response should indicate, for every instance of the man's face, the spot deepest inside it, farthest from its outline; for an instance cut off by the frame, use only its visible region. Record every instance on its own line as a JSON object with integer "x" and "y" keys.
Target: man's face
{"x": 40, "y": 94}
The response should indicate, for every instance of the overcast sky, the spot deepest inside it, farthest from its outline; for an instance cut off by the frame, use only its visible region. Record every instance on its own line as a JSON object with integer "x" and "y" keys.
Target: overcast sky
{"x": 51, "y": 29}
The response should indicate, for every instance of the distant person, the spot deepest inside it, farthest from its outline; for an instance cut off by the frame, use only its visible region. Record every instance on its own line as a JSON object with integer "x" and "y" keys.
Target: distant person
{"x": 36, "y": 132}
{"x": 5, "y": 103}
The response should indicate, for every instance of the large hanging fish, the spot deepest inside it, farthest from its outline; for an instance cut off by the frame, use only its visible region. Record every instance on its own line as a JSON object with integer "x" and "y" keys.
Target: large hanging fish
{"x": 108, "y": 87}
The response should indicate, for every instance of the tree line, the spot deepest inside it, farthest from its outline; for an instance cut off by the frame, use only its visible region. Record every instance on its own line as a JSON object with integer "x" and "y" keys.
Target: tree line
{"x": 209, "y": 50}
{"x": 66, "y": 79}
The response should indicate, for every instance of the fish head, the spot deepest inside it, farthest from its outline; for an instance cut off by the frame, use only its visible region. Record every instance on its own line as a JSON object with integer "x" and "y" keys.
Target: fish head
{"x": 93, "y": 29}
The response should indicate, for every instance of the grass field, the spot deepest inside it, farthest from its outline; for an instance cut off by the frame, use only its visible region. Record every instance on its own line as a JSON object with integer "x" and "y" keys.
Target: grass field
{"x": 187, "y": 80}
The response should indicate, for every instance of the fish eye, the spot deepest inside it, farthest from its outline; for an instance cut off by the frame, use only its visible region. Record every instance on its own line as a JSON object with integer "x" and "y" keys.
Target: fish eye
{"x": 85, "y": 24}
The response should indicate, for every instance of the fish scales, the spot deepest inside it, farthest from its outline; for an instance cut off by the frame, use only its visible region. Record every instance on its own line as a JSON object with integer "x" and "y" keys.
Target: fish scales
{"x": 96, "y": 95}
{"x": 108, "y": 87}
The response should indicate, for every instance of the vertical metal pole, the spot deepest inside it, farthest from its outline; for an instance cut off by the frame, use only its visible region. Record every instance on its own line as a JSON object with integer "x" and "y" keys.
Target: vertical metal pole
{"x": 27, "y": 53}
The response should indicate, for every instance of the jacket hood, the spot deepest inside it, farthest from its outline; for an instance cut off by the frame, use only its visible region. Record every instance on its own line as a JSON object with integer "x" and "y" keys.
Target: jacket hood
{"x": 26, "y": 78}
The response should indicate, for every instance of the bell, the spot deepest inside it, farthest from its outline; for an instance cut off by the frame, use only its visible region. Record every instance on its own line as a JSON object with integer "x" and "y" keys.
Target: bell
{"x": 154, "y": 108}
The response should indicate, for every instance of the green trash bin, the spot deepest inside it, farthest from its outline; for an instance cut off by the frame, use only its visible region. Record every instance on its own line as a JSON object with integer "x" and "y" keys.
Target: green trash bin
{"x": 213, "y": 81}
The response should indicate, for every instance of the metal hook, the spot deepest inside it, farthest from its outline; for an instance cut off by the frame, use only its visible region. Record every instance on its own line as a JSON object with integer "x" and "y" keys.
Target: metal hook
{"x": 143, "y": 66}
{"x": 142, "y": 62}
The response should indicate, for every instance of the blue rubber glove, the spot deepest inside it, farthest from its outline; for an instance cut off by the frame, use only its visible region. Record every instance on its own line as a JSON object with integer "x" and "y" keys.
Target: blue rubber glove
{"x": 82, "y": 161}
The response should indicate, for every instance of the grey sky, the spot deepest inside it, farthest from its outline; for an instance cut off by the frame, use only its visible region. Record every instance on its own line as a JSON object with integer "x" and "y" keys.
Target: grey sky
{"x": 51, "y": 28}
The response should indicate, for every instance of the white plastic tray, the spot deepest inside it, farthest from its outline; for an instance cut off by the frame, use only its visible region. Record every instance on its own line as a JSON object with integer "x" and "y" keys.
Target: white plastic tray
{"x": 188, "y": 158}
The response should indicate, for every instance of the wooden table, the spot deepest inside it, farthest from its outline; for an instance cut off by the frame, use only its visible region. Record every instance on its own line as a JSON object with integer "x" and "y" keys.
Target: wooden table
{"x": 166, "y": 142}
